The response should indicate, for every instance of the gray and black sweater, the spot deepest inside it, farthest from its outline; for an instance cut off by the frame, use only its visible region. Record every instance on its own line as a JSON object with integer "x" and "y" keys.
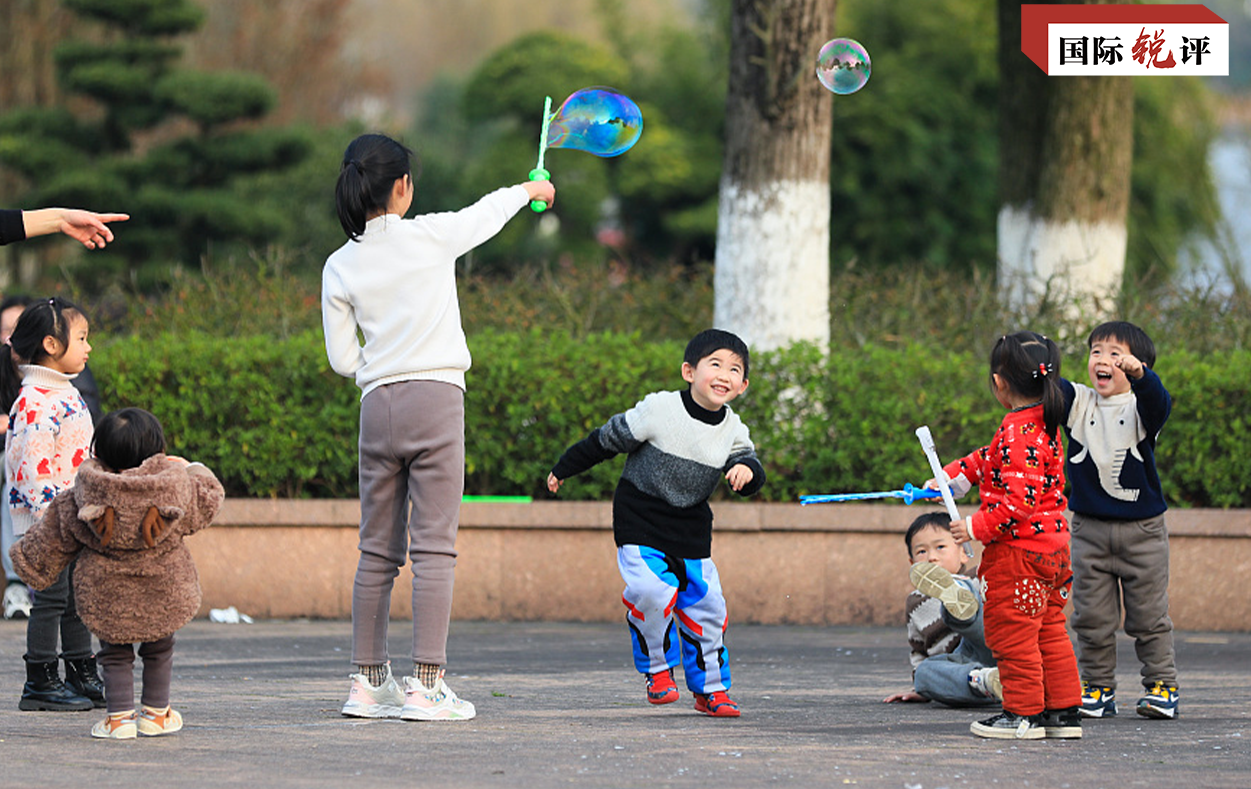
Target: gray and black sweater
{"x": 677, "y": 454}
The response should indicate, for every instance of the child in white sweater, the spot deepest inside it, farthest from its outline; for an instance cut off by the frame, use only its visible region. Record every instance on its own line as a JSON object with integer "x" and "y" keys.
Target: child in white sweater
{"x": 394, "y": 282}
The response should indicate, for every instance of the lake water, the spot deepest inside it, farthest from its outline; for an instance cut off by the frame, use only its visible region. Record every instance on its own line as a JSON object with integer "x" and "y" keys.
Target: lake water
{"x": 1230, "y": 159}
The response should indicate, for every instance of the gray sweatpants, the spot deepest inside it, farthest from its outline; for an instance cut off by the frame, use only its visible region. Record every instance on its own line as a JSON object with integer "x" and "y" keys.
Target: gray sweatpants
{"x": 1115, "y": 561}
{"x": 412, "y": 449}
{"x": 117, "y": 664}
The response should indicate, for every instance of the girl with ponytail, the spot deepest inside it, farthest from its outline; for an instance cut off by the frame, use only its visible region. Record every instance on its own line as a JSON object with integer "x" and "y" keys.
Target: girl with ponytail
{"x": 394, "y": 284}
{"x": 1025, "y": 568}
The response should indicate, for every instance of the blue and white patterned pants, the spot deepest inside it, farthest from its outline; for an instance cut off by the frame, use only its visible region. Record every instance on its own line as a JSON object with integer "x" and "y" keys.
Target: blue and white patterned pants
{"x": 675, "y": 608}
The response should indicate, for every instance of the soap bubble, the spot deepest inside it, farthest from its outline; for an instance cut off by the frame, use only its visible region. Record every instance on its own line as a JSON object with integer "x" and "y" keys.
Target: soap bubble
{"x": 843, "y": 66}
{"x": 596, "y": 120}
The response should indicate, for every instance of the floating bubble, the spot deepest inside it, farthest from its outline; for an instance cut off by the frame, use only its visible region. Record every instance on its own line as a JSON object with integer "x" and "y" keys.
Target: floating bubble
{"x": 596, "y": 120}
{"x": 843, "y": 66}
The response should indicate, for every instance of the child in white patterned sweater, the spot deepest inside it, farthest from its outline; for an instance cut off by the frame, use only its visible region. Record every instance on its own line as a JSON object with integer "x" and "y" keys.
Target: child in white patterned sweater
{"x": 49, "y": 436}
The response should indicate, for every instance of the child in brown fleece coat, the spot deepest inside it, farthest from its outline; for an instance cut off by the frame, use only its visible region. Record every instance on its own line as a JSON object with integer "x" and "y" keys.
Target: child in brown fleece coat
{"x": 136, "y": 584}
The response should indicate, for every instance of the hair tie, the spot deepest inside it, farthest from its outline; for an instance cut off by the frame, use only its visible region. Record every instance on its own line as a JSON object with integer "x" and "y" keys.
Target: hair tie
{"x": 356, "y": 163}
{"x": 1042, "y": 370}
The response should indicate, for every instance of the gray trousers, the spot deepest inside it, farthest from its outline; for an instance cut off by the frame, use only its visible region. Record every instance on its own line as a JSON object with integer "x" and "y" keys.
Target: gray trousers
{"x": 1117, "y": 562}
{"x": 945, "y": 678}
{"x": 117, "y": 664}
{"x": 412, "y": 450}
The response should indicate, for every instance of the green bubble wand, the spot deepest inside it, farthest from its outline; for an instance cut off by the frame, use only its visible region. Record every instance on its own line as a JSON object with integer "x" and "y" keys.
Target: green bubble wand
{"x": 538, "y": 173}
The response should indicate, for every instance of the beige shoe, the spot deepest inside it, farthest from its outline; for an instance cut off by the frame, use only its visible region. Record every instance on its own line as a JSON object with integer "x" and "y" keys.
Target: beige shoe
{"x": 932, "y": 580}
{"x": 154, "y": 723}
{"x": 117, "y": 726}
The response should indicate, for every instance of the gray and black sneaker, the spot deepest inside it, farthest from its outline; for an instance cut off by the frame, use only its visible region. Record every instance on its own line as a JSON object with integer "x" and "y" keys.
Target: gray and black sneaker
{"x": 1009, "y": 726}
{"x": 1063, "y": 724}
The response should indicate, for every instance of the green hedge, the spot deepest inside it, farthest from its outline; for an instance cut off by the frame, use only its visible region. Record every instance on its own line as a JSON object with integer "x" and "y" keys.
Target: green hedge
{"x": 272, "y": 419}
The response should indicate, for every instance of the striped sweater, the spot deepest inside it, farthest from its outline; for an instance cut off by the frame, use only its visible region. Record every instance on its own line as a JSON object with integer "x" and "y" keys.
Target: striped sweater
{"x": 928, "y": 634}
{"x": 677, "y": 454}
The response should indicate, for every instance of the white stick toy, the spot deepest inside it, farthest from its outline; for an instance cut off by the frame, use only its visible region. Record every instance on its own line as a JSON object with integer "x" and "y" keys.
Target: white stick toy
{"x": 940, "y": 476}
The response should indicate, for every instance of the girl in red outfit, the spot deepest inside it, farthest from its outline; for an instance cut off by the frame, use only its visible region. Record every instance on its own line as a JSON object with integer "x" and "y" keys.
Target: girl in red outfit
{"x": 1025, "y": 570}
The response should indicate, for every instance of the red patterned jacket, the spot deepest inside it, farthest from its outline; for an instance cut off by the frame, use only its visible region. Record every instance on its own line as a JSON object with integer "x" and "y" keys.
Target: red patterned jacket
{"x": 1020, "y": 477}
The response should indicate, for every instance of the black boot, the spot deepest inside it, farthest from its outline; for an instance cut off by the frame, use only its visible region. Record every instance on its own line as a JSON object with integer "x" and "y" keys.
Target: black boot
{"x": 82, "y": 677}
{"x": 44, "y": 690}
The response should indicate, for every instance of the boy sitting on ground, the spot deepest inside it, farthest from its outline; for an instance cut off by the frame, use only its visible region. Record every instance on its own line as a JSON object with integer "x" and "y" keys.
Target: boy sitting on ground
{"x": 951, "y": 663}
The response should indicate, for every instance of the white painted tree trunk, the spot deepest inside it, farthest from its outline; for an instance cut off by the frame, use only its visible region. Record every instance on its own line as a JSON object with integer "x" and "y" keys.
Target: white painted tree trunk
{"x": 772, "y": 278}
{"x": 1065, "y": 159}
{"x": 1076, "y": 263}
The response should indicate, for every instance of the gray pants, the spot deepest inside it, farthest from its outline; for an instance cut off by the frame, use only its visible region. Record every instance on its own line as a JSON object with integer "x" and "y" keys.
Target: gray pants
{"x": 117, "y": 664}
{"x": 1115, "y": 561}
{"x": 53, "y": 614}
{"x": 945, "y": 678}
{"x": 412, "y": 449}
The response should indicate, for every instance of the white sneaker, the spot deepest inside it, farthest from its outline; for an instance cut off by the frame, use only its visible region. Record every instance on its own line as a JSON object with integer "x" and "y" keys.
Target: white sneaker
{"x": 16, "y": 601}
{"x": 438, "y": 703}
{"x": 986, "y": 682}
{"x": 368, "y": 701}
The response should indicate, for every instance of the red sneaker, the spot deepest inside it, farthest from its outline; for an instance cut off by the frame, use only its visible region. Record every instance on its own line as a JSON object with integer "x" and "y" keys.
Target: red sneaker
{"x": 716, "y": 704}
{"x": 661, "y": 689}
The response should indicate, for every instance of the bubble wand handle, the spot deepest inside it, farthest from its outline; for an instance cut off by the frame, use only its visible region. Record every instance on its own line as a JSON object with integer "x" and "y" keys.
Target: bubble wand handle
{"x": 940, "y": 476}
{"x": 538, "y": 173}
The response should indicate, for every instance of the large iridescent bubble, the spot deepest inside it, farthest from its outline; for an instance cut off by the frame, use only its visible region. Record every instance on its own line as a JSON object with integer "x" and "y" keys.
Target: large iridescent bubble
{"x": 843, "y": 66}
{"x": 596, "y": 120}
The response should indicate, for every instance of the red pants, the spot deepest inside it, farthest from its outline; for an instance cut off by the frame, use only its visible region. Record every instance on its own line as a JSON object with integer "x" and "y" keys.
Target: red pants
{"x": 1025, "y": 593}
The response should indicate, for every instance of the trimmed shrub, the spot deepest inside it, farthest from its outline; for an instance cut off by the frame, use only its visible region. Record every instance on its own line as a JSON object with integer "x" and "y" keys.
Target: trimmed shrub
{"x": 269, "y": 416}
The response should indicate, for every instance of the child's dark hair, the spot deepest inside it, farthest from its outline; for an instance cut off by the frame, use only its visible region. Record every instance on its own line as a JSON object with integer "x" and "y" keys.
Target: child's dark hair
{"x": 127, "y": 437}
{"x": 1134, "y": 338}
{"x": 42, "y": 318}
{"x": 1030, "y": 364}
{"x": 371, "y": 165}
{"x": 938, "y": 520}
{"x": 16, "y": 300}
{"x": 710, "y": 341}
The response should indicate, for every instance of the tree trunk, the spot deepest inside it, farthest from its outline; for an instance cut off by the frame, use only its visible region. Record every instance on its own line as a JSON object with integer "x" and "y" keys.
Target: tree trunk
{"x": 1065, "y": 152}
{"x": 772, "y": 276}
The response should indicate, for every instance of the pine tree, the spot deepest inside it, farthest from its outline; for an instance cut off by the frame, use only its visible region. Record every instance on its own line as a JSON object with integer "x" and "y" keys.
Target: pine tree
{"x": 162, "y": 143}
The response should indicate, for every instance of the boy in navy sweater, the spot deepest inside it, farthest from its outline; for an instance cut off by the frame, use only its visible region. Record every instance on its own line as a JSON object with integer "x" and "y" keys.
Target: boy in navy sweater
{"x": 679, "y": 445}
{"x": 1120, "y": 543}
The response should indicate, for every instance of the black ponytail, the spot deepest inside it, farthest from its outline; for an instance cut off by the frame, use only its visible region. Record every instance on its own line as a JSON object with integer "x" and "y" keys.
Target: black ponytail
{"x": 371, "y": 165}
{"x": 1030, "y": 364}
{"x": 43, "y": 318}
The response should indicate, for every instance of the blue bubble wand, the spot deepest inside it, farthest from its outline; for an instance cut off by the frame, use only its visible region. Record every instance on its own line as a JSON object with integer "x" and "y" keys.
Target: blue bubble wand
{"x": 909, "y": 494}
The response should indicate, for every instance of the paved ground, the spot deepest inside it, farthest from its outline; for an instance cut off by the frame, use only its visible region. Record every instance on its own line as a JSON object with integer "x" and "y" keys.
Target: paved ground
{"x": 559, "y": 704}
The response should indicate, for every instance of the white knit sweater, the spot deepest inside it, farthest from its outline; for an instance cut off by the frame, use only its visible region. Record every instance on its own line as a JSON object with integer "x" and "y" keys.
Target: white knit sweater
{"x": 397, "y": 283}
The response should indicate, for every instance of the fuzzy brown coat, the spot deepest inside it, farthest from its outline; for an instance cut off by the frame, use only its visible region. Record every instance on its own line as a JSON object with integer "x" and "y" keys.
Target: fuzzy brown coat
{"x": 135, "y": 580}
